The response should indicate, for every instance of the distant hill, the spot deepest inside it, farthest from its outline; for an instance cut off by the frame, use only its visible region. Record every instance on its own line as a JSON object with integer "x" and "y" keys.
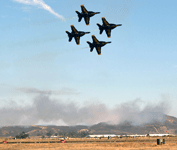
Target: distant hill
{"x": 169, "y": 126}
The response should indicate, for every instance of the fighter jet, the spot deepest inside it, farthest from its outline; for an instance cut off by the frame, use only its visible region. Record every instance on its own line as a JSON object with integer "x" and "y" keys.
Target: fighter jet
{"x": 86, "y": 14}
{"x": 76, "y": 34}
{"x": 97, "y": 44}
{"x": 107, "y": 27}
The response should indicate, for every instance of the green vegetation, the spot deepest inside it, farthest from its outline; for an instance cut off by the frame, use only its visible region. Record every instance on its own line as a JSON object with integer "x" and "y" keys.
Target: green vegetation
{"x": 22, "y": 135}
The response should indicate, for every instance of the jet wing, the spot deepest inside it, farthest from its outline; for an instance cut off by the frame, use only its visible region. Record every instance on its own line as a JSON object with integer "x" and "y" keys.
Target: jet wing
{"x": 70, "y": 38}
{"x": 84, "y": 10}
{"x": 77, "y": 39}
{"x": 73, "y": 29}
{"x": 95, "y": 39}
{"x": 98, "y": 49}
{"x": 87, "y": 20}
{"x": 108, "y": 32}
{"x": 105, "y": 22}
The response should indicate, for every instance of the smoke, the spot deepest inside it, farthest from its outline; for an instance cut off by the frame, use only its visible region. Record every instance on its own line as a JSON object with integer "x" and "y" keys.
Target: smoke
{"x": 41, "y": 4}
{"x": 46, "y": 110}
{"x": 63, "y": 91}
{"x": 132, "y": 112}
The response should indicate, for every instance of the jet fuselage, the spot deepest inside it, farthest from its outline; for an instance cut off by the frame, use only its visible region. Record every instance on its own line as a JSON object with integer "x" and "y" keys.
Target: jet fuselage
{"x": 76, "y": 34}
{"x": 89, "y": 14}
{"x": 96, "y": 44}
{"x": 85, "y": 14}
{"x": 110, "y": 26}
{"x": 79, "y": 34}
{"x": 100, "y": 44}
{"x": 107, "y": 27}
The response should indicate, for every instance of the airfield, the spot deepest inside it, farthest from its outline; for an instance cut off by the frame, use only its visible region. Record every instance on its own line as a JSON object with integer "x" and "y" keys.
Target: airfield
{"x": 125, "y": 143}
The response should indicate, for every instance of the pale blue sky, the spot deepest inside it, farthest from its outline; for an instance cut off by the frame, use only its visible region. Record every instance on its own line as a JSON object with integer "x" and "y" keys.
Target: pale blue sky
{"x": 139, "y": 63}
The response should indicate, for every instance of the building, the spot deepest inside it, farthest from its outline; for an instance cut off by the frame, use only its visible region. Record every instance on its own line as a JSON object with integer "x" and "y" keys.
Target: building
{"x": 100, "y": 135}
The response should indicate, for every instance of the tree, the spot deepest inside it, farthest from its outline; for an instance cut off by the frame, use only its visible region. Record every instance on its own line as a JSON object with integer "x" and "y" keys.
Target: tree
{"x": 49, "y": 134}
{"x": 43, "y": 137}
{"x": 56, "y": 134}
{"x": 22, "y": 135}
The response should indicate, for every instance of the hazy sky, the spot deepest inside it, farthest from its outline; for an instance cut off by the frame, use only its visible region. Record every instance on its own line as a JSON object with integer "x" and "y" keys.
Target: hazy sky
{"x": 37, "y": 59}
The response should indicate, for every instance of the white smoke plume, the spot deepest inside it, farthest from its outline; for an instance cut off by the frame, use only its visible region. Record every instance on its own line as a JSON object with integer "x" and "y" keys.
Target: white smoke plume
{"x": 45, "y": 109}
{"x": 42, "y": 4}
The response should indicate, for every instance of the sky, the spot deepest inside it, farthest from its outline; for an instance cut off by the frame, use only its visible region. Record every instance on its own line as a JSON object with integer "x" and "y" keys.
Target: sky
{"x": 38, "y": 63}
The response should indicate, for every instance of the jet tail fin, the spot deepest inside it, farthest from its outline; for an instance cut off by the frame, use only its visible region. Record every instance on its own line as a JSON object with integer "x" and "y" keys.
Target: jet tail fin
{"x": 79, "y": 15}
{"x": 91, "y": 46}
{"x": 100, "y": 28}
{"x": 69, "y": 35}
{"x": 68, "y": 32}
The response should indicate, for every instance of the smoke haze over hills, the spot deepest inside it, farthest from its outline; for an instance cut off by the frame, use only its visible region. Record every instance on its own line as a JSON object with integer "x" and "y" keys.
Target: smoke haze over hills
{"x": 47, "y": 110}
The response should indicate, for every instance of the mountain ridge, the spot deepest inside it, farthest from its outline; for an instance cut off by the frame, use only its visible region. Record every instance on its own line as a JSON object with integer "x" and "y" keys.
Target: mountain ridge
{"x": 168, "y": 126}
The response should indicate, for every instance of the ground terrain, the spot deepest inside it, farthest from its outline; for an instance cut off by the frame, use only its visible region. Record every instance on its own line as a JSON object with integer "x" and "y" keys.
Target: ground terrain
{"x": 126, "y": 143}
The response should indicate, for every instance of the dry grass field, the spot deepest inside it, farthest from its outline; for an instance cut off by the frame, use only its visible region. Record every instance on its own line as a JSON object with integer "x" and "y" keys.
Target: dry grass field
{"x": 148, "y": 143}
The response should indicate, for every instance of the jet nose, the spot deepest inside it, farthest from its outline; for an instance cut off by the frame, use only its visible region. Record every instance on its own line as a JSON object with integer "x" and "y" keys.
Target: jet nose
{"x": 108, "y": 42}
{"x": 87, "y": 32}
{"x": 97, "y": 13}
{"x": 118, "y": 25}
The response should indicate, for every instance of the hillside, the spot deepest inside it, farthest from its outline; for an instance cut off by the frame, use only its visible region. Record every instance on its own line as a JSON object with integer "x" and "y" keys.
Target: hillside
{"x": 169, "y": 126}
